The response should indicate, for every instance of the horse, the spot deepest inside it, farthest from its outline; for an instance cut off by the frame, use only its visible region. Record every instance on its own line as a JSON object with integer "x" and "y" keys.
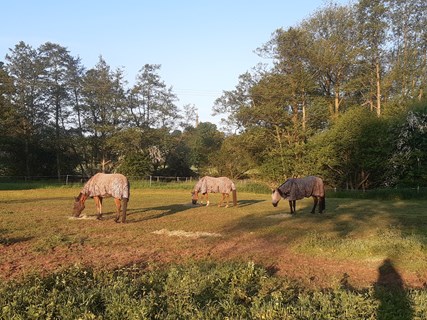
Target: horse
{"x": 101, "y": 186}
{"x": 208, "y": 185}
{"x": 297, "y": 188}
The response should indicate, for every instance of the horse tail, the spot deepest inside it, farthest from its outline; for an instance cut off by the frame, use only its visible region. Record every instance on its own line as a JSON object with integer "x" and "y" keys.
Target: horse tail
{"x": 234, "y": 197}
{"x": 323, "y": 202}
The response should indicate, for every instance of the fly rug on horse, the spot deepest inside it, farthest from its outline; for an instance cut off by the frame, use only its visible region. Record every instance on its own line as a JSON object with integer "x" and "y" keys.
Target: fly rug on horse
{"x": 297, "y": 188}
{"x": 101, "y": 186}
{"x": 208, "y": 185}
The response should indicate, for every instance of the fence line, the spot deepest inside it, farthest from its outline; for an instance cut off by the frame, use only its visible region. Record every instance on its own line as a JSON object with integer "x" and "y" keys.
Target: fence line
{"x": 72, "y": 178}
{"x": 155, "y": 179}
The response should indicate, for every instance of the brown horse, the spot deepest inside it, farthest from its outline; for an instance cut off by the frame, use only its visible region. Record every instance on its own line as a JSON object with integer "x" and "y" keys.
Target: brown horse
{"x": 208, "y": 185}
{"x": 101, "y": 186}
{"x": 298, "y": 188}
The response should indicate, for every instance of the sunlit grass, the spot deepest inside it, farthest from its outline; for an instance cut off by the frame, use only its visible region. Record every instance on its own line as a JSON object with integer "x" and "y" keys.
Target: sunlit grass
{"x": 38, "y": 222}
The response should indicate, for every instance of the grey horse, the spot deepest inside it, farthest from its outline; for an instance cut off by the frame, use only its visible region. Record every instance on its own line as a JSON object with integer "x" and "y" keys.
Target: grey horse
{"x": 297, "y": 188}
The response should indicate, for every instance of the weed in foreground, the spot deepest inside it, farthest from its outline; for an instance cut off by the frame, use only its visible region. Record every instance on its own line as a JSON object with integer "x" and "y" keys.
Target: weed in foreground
{"x": 194, "y": 291}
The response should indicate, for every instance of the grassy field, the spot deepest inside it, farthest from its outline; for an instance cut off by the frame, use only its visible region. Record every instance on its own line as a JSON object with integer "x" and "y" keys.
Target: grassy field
{"x": 357, "y": 245}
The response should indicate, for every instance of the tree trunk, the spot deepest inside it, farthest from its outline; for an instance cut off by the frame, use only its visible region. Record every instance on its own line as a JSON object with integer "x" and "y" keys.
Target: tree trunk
{"x": 378, "y": 79}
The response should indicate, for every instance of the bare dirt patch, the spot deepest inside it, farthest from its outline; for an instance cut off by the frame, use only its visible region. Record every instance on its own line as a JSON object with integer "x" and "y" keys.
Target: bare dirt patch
{"x": 182, "y": 233}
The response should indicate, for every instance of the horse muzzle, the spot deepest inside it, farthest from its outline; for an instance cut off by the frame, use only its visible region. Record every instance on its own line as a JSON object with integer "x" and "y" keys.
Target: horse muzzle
{"x": 194, "y": 201}
{"x": 274, "y": 204}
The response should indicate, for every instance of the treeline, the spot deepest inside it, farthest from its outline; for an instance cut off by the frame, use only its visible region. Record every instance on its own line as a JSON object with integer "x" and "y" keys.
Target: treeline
{"x": 343, "y": 97}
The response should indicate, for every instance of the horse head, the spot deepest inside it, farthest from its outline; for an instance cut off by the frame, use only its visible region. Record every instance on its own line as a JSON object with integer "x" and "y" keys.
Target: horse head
{"x": 275, "y": 197}
{"x": 194, "y": 197}
{"x": 78, "y": 206}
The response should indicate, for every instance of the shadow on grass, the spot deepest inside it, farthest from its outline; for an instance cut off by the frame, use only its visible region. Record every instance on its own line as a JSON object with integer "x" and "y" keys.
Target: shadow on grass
{"x": 5, "y": 241}
{"x": 390, "y": 291}
{"x": 153, "y": 212}
{"x": 36, "y": 200}
{"x": 245, "y": 203}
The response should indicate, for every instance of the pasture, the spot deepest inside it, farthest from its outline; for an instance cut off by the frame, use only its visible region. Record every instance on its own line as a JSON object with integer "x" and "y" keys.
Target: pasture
{"x": 356, "y": 243}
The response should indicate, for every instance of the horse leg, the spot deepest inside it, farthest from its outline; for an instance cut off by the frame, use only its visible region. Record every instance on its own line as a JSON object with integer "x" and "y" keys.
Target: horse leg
{"x": 315, "y": 200}
{"x": 322, "y": 204}
{"x": 221, "y": 201}
{"x": 124, "y": 209}
{"x": 118, "y": 203}
{"x": 292, "y": 206}
{"x": 227, "y": 197}
{"x": 207, "y": 199}
{"x": 124, "y": 203}
{"x": 98, "y": 203}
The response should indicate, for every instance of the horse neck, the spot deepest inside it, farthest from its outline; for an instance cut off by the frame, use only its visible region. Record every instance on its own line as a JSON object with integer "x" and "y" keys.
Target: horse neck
{"x": 82, "y": 197}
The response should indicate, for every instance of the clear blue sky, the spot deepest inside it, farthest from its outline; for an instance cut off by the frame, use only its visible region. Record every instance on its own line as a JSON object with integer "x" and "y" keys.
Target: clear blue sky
{"x": 202, "y": 46}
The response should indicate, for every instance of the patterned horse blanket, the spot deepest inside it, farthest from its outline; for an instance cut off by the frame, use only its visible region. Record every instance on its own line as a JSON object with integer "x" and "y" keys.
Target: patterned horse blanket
{"x": 298, "y": 188}
{"x": 107, "y": 185}
{"x": 214, "y": 185}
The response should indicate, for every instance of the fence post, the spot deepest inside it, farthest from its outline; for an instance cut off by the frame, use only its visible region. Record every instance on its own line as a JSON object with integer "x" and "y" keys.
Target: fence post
{"x": 66, "y": 180}
{"x": 150, "y": 181}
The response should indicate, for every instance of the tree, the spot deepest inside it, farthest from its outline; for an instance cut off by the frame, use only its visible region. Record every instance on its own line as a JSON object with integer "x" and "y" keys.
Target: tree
{"x": 231, "y": 102}
{"x": 407, "y": 76}
{"x": 152, "y": 103}
{"x": 333, "y": 53}
{"x": 24, "y": 67}
{"x": 233, "y": 160}
{"x": 407, "y": 163}
{"x": 103, "y": 94}
{"x": 7, "y": 122}
{"x": 352, "y": 153}
{"x": 56, "y": 90}
{"x": 372, "y": 26}
{"x": 203, "y": 141}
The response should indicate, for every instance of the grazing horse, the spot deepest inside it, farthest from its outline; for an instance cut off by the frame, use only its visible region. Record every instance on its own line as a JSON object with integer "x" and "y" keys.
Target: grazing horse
{"x": 208, "y": 185}
{"x": 101, "y": 186}
{"x": 297, "y": 188}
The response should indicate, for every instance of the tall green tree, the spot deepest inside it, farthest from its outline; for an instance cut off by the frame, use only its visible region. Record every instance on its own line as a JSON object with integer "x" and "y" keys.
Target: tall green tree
{"x": 56, "y": 90}
{"x": 203, "y": 141}
{"x": 352, "y": 153}
{"x": 26, "y": 70}
{"x": 408, "y": 37}
{"x": 7, "y": 122}
{"x": 333, "y": 53}
{"x": 372, "y": 24}
{"x": 152, "y": 102}
{"x": 102, "y": 93}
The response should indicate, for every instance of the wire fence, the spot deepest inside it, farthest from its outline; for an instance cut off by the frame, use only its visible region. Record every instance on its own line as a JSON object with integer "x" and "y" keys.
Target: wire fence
{"x": 70, "y": 179}
{"x": 248, "y": 185}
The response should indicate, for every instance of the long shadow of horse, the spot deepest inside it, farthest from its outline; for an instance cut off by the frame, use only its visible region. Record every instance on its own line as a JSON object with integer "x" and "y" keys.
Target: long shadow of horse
{"x": 34, "y": 200}
{"x": 5, "y": 241}
{"x": 153, "y": 212}
{"x": 245, "y": 203}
